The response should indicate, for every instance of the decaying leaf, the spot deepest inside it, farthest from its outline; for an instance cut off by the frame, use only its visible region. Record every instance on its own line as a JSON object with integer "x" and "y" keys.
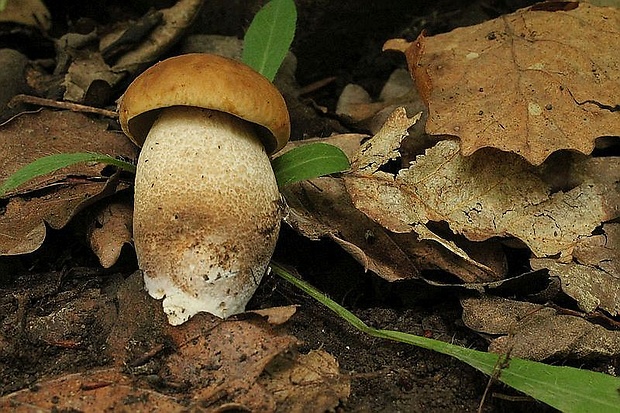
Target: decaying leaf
{"x": 56, "y": 197}
{"x": 537, "y": 332}
{"x": 218, "y": 363}
{"x": 488, "y": 194}
{"x": 95, "y": 391}
{"x": 110, "y": 230}
{"x": 323, "y": 208}
{"x": 89, "y": 79}
{"x": 222, "y": 363}
{"x": 311, "y": 379}
{"x": 531, "y": 82}
{"x": 593, "y": 278}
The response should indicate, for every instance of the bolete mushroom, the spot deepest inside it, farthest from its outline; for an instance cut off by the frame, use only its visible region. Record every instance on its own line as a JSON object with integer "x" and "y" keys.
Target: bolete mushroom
{"x": 207, "y": 207}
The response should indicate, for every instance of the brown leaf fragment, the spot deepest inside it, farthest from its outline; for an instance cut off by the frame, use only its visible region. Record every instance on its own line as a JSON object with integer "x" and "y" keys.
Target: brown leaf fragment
{"x": 384, "y": 146}
{"x": 532, "y": 82}
{"x": 488, "y": 194}
{"x": 175, "y": 21}
{"x": 222, "y": 363}
{"x": 22, "y": 222}
{"x": 593, "y": 277}
{"x": 602, "y": 250}
{"x": 89, "y": 80}
{"x": 96, "y": 391}
{"x": 537, "y": 332}
{"x": 56, "y": 197}
{"x": 305, "y": 380}
{"x": 276, "y": 315}
{"x": 110, "y": 230}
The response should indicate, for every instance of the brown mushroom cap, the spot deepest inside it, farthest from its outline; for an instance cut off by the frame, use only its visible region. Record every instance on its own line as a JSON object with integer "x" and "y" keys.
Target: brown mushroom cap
{"x": 210, "y": 82}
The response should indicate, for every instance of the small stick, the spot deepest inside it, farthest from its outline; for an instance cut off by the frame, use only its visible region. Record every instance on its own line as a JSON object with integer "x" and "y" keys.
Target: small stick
{"x": 74, "y": 107}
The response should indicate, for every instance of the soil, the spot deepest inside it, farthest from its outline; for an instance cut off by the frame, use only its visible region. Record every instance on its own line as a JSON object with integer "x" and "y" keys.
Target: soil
{"x": 341, "y": 39}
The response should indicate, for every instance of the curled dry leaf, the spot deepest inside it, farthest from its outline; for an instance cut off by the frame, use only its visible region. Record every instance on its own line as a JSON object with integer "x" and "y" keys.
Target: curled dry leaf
{"x": 488, "y": 194}
{"x": 531, "y": 82}
{"x": 536, "y": 332}
{"x": 323, "y": 208}
{"x": 54, "y": 198}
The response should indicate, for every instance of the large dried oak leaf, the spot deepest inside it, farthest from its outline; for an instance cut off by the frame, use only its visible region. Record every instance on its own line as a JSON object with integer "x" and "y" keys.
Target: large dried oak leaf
{"x": 531, "y": 82}
{"x": 488, "y": 194}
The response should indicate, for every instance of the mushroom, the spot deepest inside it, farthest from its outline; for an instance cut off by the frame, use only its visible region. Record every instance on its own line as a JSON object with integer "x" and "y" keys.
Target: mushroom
{"x": 207, "y": 207}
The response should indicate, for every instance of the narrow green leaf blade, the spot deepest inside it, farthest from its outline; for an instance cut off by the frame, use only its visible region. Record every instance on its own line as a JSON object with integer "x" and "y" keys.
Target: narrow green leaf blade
{"x": 568, "y": 389}
{"x": 269, "y": 37}
{"x": 52, "y": 163}
{"x": 307, "y": 162}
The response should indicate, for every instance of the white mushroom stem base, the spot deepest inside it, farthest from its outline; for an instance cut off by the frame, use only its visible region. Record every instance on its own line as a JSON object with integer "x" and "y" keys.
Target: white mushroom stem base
{"x": 207, "y": 212}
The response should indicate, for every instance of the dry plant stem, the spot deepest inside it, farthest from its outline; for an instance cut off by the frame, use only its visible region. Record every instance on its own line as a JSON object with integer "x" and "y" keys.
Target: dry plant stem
{"x": 207, "y": 212}
{"x": 74, "y": 107}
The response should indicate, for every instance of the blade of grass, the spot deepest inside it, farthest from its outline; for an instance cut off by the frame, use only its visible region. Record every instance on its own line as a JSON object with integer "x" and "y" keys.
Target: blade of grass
{"x": 52, "y": 163}
{"x": 269, "y": 37}
{"x": 566, "y": 388}
{"x": 307, "y": 162}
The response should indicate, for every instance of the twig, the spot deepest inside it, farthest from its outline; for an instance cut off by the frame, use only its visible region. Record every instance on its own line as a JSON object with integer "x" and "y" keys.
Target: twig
{"x": 74, "y": 107}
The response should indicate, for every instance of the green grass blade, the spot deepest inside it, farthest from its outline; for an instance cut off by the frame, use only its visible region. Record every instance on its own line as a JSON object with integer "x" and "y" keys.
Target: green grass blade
{"x": 48, "y": 164}
{"x": 566, "y": 388}
{"x": 307, "y": 162}
{"x": 269, "y": 37}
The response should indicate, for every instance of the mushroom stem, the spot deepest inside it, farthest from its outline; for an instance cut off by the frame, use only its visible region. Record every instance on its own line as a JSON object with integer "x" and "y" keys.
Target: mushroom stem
{"x": 207, "y": 212}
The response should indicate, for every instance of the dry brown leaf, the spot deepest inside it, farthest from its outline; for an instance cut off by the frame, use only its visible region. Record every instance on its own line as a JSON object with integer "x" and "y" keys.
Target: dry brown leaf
{"x": 323, "y": 208}
{"x": 488, "y": 194}
{"x": 96, "y": 391}
{"x": 531, "y": 82}
{"x": 111, "y": 229}
{"x": 276, "y": 315}
{"x": 537, "y": 332}
{"x": 306, "y": 380}
{"x": 58, "y": 196}
{"x": 222, "y": 363}
{"x": 593, "y": 279}
{"x": 218, "y": 363}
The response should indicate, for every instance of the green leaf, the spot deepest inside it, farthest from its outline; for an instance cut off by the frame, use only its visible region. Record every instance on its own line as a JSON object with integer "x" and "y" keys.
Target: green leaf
{"x": 3, "y": 4}
{"x": 307, "y": 162}
{"x": 568, "y": 389}
{"x": 269, "y": 37}
{"x": 52, "y": 163}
